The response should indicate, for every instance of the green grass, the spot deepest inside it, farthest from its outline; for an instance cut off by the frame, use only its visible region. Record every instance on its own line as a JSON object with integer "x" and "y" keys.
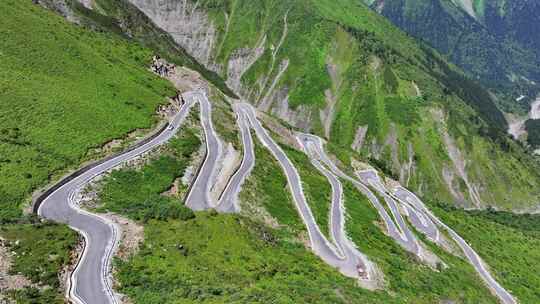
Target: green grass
{"x": 231, "y": 259}
{"x": 405, "y": 276}
{"x": 316, "y": 187}
{"x": 507, "y": 242}
{"x": 216, "y": 258}
{"x": 138, "y": 193}
{"x": 41, "y": 251}
{"x": 267, "y": 187}
{"x": 65, "y": 90}
{"x": 224, "y": 119}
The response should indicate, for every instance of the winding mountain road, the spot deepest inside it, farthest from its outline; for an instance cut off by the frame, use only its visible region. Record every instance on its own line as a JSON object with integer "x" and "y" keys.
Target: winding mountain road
{"x": 352, "y": 258}
{"x": 327, "y": 251}
{"x": 393, "y": 231}
{"x": 90, "y": 281}
{"x": 420, "y": 216}
{"x": 199, "y": 195}
{"x": 474, "y": 259}
{"x": 228, "y": 201}
{"x": 370, "y": 177}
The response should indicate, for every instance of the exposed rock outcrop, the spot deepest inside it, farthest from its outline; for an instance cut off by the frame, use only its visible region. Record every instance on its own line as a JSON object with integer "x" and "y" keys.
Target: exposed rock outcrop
{"x": 359, "y": 138}
{"x": 189, "y": 26}
{"x": 230, "y": 160}
{"x": 459, "y": 162}
{"x": 241, "y": 61}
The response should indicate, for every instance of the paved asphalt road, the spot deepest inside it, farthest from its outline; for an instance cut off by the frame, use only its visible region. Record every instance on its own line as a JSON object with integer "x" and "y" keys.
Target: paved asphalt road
{"x": 228, "y": 201}
{"x": 320, "y": 245}
{"x": 352, "y": 259}
{"x": 422, "y": 223}
{"x": 475, "y": 260}
{"x": 199, "y": 196}
{"x": 370, "y": 177}
{"x": 425, "y": 218}
{"x": 90, "y": 283}
{"x": 393, "y": 231}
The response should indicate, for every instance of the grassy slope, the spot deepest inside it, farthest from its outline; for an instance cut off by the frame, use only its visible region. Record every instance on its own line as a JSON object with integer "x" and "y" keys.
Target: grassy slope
{"x": 138, "y": 193}
{"x": 243, "y": 261}
{"x": 508, "y": 243}
{"x": 376, "y": 66}
{"x": 65, "y": 91}
{"x": 41, "y": 252}
{"x": 404, "y": 274}
{"x": 233, "y": 259}
{"x": 267, "y": 187}
{"x": 316, "y": 188}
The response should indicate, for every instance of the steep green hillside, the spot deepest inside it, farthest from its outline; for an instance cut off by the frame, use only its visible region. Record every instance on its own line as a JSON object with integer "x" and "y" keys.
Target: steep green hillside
{"x": 508, "y": 242}
{"x": 41, "y": 251}
{"x": 493, "y": 40}
{"x": 64, "y": 92}
{"x": 338, "y": 69}
{"x": 247, "y": 261}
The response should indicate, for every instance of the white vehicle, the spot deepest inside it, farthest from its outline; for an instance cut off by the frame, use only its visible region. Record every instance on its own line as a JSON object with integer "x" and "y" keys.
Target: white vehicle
{"x": 170, "y": 127}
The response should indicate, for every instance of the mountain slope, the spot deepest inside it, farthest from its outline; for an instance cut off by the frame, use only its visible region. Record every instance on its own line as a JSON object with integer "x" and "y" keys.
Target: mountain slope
{"x": 493, "y": 40}
{"x": 51, "y": 82}
{"x": 339, "y": 70}
{"x": 263, "y": 254}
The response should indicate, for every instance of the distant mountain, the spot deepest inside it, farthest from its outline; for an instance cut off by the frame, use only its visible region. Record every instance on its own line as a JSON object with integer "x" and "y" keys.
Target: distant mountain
{"x": 496, "y": 41}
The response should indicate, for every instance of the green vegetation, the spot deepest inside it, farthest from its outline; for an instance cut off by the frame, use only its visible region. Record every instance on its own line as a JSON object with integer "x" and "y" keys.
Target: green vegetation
{"x": 406, "y": 277}
{"x": 65, "y": 91}
{"x": 41, "y": 251}
{"x": 138, "y": 193}
{"x": 507, "y": 242}
{"x": 267, "y": 187}
{"x": 247, "y": 262}
{"x": 496, "y": 47}
{"x": 231, "y": 259}
{"x": 533, "y": 132}
{"x": 316, "y": 187}
{"x": 123, "y": 18}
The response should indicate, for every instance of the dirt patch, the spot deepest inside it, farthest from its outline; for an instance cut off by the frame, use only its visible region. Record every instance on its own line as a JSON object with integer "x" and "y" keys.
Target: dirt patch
{"x": 359, "y": 138}
{"x": 9, "y": 281}
{"x": 327, "y": 114}
{"x": 228, "y": 164}
{"x": 131, "y": 235}
{"x": 185, "y": 79}
{"x": 173, "y": 190}
{"x": 89, "y": 4}
{"x": 457, "y": 158}
{"x": 359, "y": 166}
{"x": 286, "y": 135}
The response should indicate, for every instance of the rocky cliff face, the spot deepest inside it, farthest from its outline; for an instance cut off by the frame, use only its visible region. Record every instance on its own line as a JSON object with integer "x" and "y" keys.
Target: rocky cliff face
{"x": 192, "y": 28}
{"x": 188, "y": 25}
